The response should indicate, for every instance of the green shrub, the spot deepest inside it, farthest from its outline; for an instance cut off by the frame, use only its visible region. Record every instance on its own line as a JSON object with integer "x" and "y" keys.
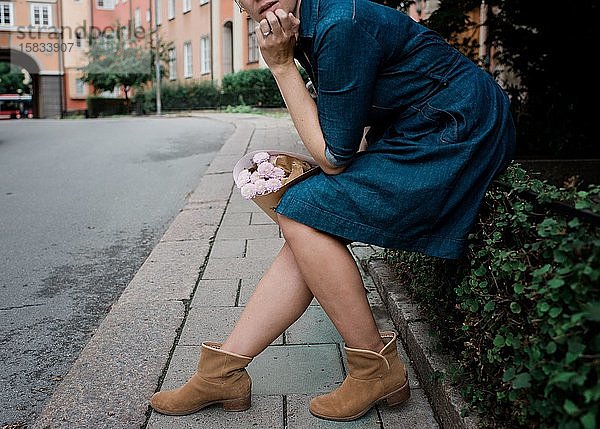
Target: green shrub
{"x": 253, "y": 87}
{"x": 521, "y": 312}
{"x": 179, "y": 96}
{"x": 101, "y": 106}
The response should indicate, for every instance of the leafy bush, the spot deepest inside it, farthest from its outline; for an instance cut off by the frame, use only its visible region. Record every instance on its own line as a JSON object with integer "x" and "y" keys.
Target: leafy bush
{"x": 179, "y": 96}
{"x": 101, "y": 106}
{"x": 253, "y": 87}
{"x": 521, "y": 312}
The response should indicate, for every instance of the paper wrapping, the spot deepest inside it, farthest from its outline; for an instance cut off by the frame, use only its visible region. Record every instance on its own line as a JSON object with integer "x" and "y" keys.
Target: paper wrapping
{"x": 296, "y": 166}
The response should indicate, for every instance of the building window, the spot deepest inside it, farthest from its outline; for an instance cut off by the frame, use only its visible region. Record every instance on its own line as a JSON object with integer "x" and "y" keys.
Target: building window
{"x": 105, "y": 4}
{"x": 172, "y": 64}
{"x": 157, "y": 12}
{"x": 137, "y": 18}
{"x": 6, "y": 13}
{"x": 41, "y": 14}
{"x": 187, "y": 5}
{"x": 204, "y": 55}
{"x": 148, "y": 15}
{"x": 203, "y": 2}
{"x": 171, "y": 11}
{"x": 252, "y": 42}
{"x": 187, "y": 59}
{"x": 79, "y": 87}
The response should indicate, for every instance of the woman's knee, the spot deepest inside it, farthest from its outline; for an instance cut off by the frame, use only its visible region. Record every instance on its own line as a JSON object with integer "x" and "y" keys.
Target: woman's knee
{"x": 290, "y": 228}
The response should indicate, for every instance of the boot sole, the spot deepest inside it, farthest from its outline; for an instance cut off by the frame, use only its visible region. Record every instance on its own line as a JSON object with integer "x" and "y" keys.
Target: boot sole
{"x": 392, "y": 399}
{"x": 234, "y": 405}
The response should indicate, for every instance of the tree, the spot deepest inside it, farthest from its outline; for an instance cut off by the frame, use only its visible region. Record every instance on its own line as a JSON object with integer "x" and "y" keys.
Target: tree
{"x": 12, "y": 79}
{"x": 115, "y": 60}
{"x": 548, "y": 46}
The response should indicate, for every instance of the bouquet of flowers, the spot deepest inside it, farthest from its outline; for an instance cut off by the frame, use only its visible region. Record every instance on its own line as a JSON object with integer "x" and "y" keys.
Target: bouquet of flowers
{"x": 264, "y": 176}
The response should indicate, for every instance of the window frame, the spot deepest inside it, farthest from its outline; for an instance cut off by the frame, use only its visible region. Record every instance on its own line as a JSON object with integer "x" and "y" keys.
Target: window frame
{"x": 11, "y": 13}
{"x": 172, "y": 53}
{"x": 41, "y": 6}
{"x": 106, "y": 4}
{"x": 253, "y": 50}
{"x": 205, "y": 55}
{"x": 188, "y": 65}
{"x": 171, "y": 9}
{"x": 137, "y": 18}
{"x": 158, "y": 16}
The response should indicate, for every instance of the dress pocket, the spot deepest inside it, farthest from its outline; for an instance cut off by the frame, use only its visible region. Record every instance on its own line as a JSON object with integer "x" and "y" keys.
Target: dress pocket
{"x": 444, "y": 121}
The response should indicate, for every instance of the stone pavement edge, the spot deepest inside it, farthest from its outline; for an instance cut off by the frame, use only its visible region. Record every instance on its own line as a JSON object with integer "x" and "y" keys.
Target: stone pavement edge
{"x": 192, "y": 288}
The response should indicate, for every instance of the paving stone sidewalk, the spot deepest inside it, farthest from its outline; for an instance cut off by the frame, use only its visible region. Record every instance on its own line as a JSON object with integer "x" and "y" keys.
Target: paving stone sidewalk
{"x": 192, "y": 288}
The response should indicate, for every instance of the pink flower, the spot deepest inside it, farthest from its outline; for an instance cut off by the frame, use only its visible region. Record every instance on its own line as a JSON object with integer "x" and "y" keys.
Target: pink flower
{"x": 243, "y": 178}
{"x": 265, "y": 169}
{"x": 248, "y": 191}
{"x": 254, "y": 176}
{"x": 273, "y": 184}
{"x": 260, "y": 157}
{"x": 261, "y": 186}
{"x": 278, "y": 173}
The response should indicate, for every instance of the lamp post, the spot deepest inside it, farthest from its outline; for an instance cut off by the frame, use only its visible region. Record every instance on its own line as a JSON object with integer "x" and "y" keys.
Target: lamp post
{"x": 157, "y": 61}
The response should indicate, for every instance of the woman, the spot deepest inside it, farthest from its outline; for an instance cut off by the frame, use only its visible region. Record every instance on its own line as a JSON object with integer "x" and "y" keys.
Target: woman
{"x": 439, "y": 131}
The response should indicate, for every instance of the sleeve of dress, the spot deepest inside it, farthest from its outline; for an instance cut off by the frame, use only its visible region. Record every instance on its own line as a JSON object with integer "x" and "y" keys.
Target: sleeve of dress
{"x": 348, "y": 59}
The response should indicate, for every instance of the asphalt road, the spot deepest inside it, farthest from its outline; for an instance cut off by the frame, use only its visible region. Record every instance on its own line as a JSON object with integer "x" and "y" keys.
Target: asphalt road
{"x": 82, "y": 204}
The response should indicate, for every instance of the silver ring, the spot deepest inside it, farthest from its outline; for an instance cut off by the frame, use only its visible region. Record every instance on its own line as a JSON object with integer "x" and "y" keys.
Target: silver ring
{"x": 267, "y": 33}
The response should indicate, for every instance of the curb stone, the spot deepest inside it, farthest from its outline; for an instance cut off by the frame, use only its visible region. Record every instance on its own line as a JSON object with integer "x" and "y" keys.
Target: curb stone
{"x": 448, "y": 405}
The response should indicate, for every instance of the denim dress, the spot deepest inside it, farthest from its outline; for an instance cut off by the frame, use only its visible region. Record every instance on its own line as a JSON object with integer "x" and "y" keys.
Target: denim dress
{"x": 440, "y": 130}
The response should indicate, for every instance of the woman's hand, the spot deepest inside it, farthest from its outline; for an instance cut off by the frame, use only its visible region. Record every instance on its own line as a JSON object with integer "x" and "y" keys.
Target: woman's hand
{"x": 276, "y": 35}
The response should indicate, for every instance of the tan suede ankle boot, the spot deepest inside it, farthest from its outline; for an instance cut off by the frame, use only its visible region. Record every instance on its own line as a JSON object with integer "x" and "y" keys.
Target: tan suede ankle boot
{"x": 220, "y": 378}
{"x": 372, "y": 377}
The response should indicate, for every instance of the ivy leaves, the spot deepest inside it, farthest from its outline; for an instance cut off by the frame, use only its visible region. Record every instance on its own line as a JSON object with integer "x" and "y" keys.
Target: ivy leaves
{"x": 522, "y": 312}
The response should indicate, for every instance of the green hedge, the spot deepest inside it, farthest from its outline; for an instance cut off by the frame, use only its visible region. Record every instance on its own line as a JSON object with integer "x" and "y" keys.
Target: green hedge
{"x": 521, "y": 312}
{"x": 100, "y": 106}
{"x": 254, "y": 88}
{"x": 179, "y": 96}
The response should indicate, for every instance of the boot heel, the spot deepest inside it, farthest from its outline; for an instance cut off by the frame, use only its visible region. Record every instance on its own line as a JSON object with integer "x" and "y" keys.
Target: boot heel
{"x": 241, "y": 404}
{"x": 399, "y": 396}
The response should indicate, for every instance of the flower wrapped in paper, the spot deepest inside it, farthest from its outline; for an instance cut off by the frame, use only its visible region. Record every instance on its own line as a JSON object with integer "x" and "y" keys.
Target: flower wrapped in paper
{"x": 264, "y": 176}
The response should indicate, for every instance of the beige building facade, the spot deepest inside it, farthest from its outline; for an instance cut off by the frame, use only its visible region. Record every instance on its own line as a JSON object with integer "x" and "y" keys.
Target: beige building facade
{"x": 210, "y": 38}
{"x": 29, "y": 39}
{"x": 207, "y": 40}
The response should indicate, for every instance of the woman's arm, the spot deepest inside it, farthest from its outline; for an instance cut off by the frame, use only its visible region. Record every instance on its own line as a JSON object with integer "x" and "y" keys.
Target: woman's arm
{"x": 278, "y": 51}
{"x": 303, "y": 111}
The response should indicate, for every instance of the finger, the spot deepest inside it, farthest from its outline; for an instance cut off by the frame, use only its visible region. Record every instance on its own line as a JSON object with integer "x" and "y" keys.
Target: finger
{"x": 284, "y": 20}
{"x": 260, "y": 37}
{"x": 274, "y": 23}
{"x": 295, "y": 21}
{"x": 264, "y": 26}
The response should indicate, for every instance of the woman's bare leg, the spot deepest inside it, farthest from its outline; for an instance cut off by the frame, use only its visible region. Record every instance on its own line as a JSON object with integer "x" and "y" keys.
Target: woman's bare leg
{"x": 279, "y": 299}
{"x": 332, "y": 276}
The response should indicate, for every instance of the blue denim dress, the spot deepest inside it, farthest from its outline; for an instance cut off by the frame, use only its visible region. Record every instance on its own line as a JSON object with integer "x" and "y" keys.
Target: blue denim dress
{"x": 440, "y": 130}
